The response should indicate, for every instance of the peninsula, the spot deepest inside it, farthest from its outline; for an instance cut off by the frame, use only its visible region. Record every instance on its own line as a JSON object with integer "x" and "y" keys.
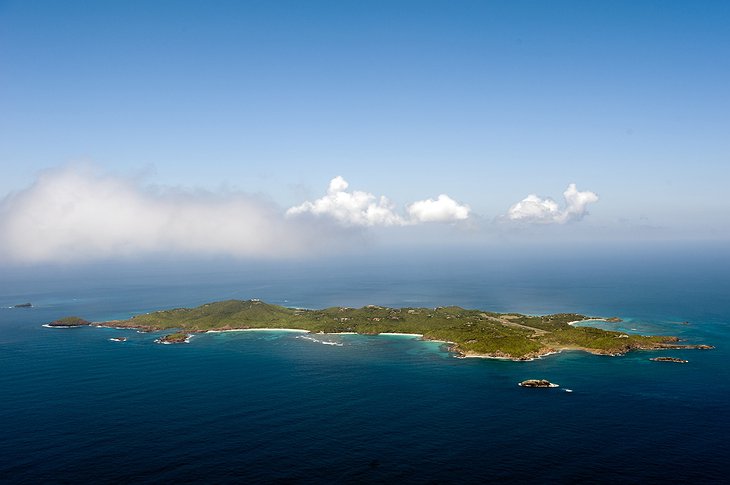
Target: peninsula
{"x": 469, "y": 333}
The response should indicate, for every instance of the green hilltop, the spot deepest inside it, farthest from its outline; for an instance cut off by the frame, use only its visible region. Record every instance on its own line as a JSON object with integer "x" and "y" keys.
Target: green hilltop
{"x": 468, "y": 332}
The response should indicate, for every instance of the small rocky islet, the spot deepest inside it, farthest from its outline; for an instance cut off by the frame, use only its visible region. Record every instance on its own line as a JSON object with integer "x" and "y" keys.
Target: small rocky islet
{"x": 669, "y": 359}
{"x": 542, "y": 383}
{"x": 67, "y": 322}
{"x": 174, "y": 338}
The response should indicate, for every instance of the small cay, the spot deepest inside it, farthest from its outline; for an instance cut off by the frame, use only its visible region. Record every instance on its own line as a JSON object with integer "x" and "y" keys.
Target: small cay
{"x": 537, "y": 383}
{"x": 669, "y": 359}
{"x": 69, "y": 322}
{"x": 174, "y": 338}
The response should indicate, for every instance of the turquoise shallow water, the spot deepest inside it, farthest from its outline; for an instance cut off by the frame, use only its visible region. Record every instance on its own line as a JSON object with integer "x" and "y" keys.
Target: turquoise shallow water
{"x": 272, "y": 406}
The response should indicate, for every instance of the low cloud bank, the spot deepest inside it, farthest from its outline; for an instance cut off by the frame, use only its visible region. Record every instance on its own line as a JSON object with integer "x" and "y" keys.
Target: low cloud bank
{"x": 357, "y": 208}
{"x": 534, "y": 209}
{"x": 75, "y": 213}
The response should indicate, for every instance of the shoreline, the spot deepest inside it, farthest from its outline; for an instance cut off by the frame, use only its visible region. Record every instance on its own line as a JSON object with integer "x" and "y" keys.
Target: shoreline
{"x": 452, "y": 348}
{"x": 518, "y": 359}
{"x": 595, "y": 319}
{"x": 258, "y": 330}
{"x": 405, "y": 334}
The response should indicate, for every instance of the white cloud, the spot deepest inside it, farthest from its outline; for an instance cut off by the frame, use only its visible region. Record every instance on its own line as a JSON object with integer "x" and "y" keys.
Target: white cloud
{"x": 443, "y": 209}
{"x": 350, "y": 208}
{"x": 546, "y": 211}
{"x": 76, "y": 213}
{"x": 577, "y": 202}
{"x": 359, "y": 208}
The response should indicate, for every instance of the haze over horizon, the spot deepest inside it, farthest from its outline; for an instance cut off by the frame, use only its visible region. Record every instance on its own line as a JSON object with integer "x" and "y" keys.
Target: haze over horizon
{"x": 269, "y": 130}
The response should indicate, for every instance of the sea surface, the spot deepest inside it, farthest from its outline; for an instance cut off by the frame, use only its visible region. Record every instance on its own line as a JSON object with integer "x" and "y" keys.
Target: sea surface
{"x": 275, "y": 407}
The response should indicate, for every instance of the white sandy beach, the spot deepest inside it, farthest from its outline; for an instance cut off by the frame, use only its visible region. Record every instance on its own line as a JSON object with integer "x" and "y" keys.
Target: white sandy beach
{"x": 480, "y": 356}
{"x": 404, "y": 334}
{"x": 260, "y": 330}
{"x": 588, "y": 320}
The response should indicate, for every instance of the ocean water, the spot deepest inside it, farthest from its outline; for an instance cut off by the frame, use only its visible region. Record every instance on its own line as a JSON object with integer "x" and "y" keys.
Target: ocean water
{"x": 276, "y": 407}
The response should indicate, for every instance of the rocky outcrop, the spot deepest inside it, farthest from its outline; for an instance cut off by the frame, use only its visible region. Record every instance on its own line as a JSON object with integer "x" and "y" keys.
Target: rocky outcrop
{"x": 687, "y": 347}
{"x": 669, "y": 359}
{"x": 537, "y": 383}
{"x": 69, "y": 322}
{"x": 174, "y": 338}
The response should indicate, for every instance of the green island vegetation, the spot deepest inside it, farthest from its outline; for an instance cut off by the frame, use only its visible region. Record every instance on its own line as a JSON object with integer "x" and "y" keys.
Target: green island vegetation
{"x": 174, "y": 338}
{"x": 469, "y": 333}
{"x": 69, "y": 322}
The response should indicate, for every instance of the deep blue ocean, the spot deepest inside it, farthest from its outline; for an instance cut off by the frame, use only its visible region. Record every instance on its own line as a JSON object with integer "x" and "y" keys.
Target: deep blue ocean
{"x": 273, "y": 407}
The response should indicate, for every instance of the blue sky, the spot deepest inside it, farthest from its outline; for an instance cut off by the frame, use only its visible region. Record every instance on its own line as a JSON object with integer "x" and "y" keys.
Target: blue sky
{"x": 268, "y": 101}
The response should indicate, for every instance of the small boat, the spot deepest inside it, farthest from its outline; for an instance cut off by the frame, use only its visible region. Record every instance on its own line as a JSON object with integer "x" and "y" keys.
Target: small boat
{"x": 568, "y": 390}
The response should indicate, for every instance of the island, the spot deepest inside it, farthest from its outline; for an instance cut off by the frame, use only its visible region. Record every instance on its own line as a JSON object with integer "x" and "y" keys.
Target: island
{"x": 538, "y": 383}
{"x": 669, "y": 359}
{"x": 174, "y": 338}
{"x": 467, "y": 333}
{"x": 68, "y": 322}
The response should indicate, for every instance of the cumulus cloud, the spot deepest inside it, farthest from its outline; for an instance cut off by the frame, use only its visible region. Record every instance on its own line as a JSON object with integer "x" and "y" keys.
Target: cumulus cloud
{"x": 350, "y": 208}
{"x": 535, "y": 209}
{"x": 76, "y": 213}
{"x": 359, "y": 208}
{"x": 443, "y": 209}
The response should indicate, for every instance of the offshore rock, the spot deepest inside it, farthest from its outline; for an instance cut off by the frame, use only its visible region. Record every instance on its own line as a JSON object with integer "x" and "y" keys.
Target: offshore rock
{"x": 537, "y": 383}
{"x": 669, "y": 359}
{"x": 69, "y": 322}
